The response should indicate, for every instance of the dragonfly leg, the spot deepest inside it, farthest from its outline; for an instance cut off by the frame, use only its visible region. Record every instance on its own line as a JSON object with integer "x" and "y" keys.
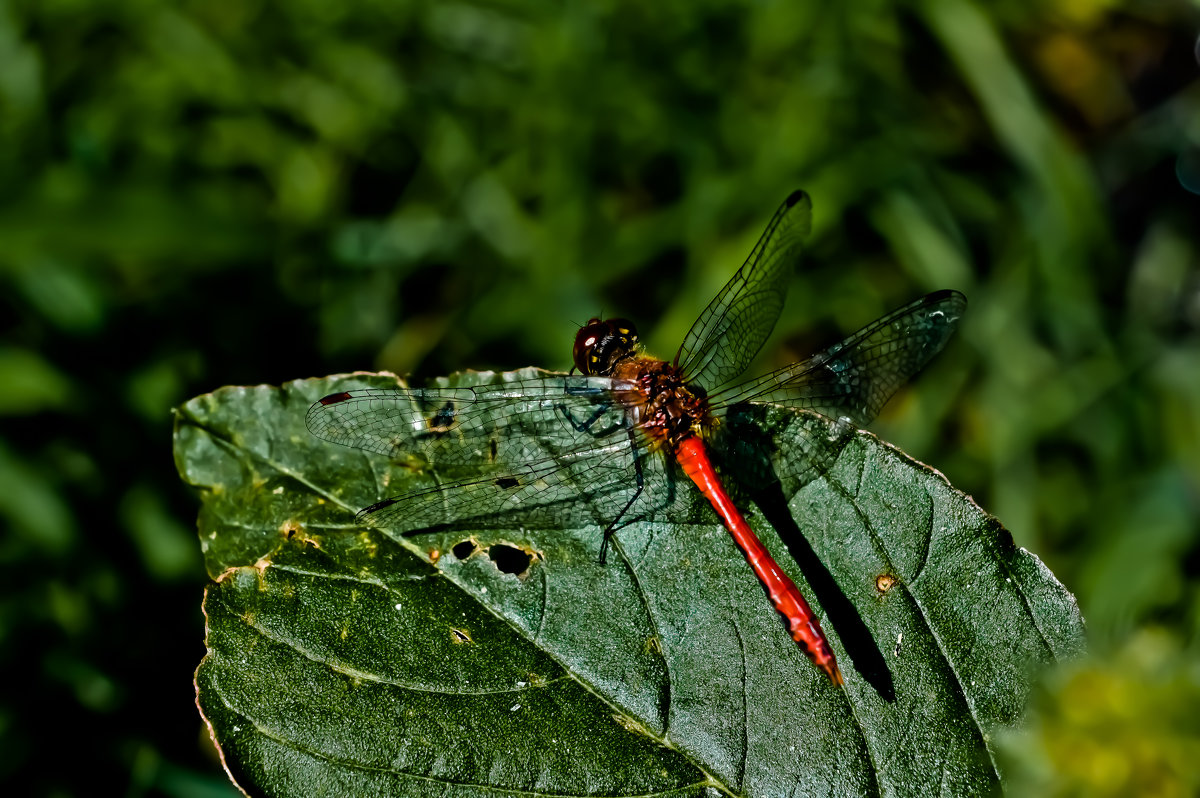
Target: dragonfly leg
{"x": 641, "y": 483}
{"x": 587, "y": 424}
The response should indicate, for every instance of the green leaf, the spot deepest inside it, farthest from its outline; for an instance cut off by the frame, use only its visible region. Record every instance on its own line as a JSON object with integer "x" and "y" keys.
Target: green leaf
{"x": 342, "y": 661}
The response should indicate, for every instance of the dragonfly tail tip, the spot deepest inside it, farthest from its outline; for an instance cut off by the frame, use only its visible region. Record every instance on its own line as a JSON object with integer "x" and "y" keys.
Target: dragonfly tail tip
{"x": 833, "y": 672}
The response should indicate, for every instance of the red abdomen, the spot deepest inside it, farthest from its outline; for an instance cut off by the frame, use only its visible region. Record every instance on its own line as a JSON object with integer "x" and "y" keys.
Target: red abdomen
{"x": 801, "y": 623}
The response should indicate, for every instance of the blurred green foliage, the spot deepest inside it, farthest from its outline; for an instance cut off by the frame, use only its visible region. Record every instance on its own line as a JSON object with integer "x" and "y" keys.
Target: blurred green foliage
{"x": 241, "y": 191}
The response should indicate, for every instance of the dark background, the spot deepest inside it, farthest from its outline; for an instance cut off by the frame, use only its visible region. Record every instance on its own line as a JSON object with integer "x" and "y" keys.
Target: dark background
{"x": 203, "y": 193}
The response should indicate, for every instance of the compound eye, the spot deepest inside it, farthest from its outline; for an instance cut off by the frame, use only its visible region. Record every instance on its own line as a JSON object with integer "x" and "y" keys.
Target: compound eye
{"x": 586, "y": 341}
{"x": 600, "y": 345}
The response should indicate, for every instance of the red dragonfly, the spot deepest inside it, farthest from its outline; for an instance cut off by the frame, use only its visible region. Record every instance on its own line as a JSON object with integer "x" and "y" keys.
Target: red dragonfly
{"x": 559, "y": 450}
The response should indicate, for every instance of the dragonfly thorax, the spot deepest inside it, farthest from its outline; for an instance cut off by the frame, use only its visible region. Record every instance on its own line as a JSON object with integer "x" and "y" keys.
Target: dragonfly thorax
{"x": 601, "y": 345}
{"x": 662, "y": 405}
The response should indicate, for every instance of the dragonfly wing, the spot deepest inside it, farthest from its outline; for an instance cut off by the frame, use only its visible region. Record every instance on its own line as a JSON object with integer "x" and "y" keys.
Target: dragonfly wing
{"x": 856, "y": 377}
{"x": 578, "y": 489}
{"x": 539, "y": 452}
{"x": 763, "y": 444}
{"x": 461, "y": 433}
{"x": 736, "y": 323}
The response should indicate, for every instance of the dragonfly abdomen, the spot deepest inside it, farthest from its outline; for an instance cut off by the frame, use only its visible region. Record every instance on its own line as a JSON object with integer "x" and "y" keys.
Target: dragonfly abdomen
{"x": 801, "y": 622}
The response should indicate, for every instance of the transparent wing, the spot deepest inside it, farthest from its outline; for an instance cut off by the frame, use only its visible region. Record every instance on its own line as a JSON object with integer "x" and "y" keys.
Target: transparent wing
{"x": 465, "y": 432}
{"x": 734, "y": 326}
{"x": 584, "y": 487}
{"x": 855, "y": 378}
{"x": 762, "y": 444}
{"x": 534, "y": 452}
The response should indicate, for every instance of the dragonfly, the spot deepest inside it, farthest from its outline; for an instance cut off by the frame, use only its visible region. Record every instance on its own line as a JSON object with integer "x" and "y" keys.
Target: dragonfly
{"x": 605, "y": 446}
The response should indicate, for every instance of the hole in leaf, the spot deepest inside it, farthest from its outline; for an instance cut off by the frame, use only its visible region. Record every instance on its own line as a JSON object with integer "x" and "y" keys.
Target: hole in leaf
{"x": 460, "y": 635}
{"x": 884, "y": 582}
{"x": 510, "y": 559}
{"x": 507, "y": 482}
{"x": 464, "y": 549}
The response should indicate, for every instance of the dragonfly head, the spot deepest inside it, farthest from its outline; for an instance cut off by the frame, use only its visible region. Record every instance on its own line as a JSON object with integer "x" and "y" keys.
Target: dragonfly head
{"x": 600, "y": 345}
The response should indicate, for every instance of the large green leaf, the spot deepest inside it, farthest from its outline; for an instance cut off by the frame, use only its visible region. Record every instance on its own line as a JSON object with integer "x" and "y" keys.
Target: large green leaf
{"x": 343, "y": 661}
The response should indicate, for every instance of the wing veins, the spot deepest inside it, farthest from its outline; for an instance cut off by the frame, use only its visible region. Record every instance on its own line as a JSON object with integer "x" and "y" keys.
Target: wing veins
{"x": 703, "y": 359}
{"x": 846, "y": 378}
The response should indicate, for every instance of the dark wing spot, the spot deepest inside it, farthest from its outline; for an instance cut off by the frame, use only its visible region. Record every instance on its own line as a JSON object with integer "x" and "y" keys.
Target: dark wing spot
{"x": 507, "y": 482}
{"x": 443, "y": 419}
{"x": 495, "y": 449}
{"x": 374, "y": 508}
{"x": 334, "y": 398}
